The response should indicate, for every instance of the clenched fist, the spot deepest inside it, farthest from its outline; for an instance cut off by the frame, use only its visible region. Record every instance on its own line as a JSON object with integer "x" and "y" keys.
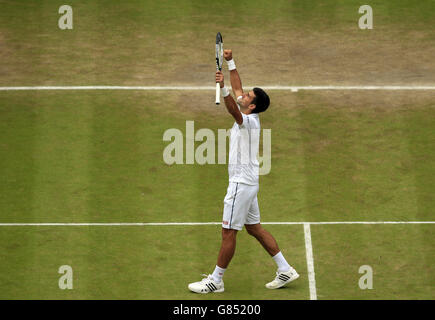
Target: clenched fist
{"x": 228, "y": 54}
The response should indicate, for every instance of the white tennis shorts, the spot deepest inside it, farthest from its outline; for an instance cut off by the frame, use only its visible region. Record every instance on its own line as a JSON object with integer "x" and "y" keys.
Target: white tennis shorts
{"x": 240, "y": 206}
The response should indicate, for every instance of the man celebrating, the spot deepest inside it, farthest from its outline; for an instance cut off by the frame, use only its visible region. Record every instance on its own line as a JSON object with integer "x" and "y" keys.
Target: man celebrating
{"x": 240, "y": 203}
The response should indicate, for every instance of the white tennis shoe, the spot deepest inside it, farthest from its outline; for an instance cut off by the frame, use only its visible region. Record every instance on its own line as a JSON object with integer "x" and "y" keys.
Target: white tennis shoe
{"x": 206, "y": 285}
{"x": 282, "y": 278}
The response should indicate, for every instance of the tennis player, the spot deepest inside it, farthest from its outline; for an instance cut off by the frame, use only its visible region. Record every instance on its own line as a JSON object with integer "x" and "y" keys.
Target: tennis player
{"x": 240, "y": 203}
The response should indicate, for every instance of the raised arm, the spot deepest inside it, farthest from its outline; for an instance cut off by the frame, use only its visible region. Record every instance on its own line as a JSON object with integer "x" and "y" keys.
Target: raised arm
{"x": 231, "y": 105}
{"x": 236, "y": 83}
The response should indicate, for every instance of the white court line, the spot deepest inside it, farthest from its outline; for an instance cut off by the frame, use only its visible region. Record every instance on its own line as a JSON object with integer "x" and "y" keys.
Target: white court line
{"x": 7, "y": 224}
{"x": 110, "y": 224}
{"x": 310, "y": 262}
{"x": 266, "y": 87}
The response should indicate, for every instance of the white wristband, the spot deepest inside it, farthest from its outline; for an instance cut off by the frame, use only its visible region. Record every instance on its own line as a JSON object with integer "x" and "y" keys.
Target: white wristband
{"x": 225, "y": 92}
{"x": 231, "y": 65}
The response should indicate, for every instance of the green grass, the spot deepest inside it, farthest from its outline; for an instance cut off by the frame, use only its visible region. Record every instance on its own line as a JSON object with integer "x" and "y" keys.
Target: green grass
{"x": 139, "y": 263}
{"x": 400, "y": 257}
{"x": 144, "y": 42}
{"x": 96, "y": 156}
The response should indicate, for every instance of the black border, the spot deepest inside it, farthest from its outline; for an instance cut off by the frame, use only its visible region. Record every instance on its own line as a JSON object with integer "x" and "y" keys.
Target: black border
{"x": 164, "y": 309}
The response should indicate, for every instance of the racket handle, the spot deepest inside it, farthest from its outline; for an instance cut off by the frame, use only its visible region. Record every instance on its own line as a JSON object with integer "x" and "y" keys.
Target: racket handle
{"x": 218, "y": 93}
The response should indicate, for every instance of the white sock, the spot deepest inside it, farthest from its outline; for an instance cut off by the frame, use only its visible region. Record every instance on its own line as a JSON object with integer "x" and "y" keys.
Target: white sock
{"x": 282, "y": 264}
{"x": 218, "y": 273}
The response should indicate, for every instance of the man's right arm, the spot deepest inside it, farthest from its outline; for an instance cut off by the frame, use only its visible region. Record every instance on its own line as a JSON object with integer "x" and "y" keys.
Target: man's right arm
{"x": 236, "y": 83}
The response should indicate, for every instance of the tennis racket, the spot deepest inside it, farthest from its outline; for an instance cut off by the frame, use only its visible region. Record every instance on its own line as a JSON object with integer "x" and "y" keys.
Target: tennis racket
{"x": 219, "y": 60}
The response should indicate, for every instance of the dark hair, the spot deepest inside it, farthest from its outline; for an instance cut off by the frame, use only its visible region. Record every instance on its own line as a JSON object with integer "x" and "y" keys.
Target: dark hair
{"x": 261, "y": 100}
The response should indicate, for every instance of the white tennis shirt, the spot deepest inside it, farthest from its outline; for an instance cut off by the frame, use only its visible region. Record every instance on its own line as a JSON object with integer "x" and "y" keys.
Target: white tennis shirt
{"x": 243, "y": 166}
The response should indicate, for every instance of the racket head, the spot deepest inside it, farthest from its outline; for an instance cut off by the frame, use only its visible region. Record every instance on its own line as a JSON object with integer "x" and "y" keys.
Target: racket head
{"x": 219, "y": 51}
